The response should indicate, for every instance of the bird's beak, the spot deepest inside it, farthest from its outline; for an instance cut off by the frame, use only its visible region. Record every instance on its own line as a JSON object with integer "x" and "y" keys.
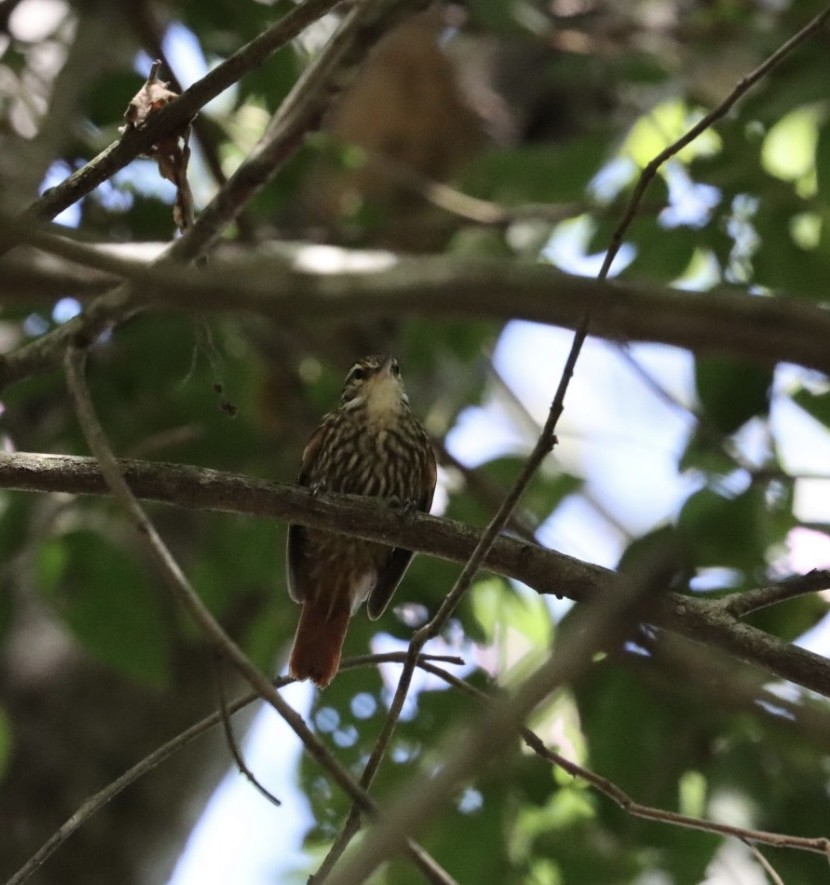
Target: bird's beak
{"x": 386, "y": 368}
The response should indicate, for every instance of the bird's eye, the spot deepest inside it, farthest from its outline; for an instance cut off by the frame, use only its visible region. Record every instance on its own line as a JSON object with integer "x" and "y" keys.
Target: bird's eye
{"x": 396, "y": 369}
{"x": 358, "y": 374}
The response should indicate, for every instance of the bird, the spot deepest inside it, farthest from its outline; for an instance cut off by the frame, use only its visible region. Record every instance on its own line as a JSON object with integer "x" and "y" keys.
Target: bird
{"x": 371, "y": 445}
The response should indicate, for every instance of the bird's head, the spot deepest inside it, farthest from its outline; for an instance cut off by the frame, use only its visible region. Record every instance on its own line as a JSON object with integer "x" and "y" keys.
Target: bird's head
{"x": 375, "y": 383}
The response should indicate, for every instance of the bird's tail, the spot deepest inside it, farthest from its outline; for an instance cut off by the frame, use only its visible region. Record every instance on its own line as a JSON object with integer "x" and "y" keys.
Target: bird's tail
{"x": 318, "y": 641}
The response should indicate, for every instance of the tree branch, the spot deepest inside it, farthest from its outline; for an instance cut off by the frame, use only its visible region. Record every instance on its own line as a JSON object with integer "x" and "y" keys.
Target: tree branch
{"x": 769, "y": 330}
{"x": 98, "y": 800}
{"x": 738, "y": 605}
{"x": 177, "y": 113}
{"x": 546, "y": 571}
{"x": 603, "y": 622}
{"x": 616, "y": 794}
{"x": 230, "y": 738}
{"x": 300, "y": 112}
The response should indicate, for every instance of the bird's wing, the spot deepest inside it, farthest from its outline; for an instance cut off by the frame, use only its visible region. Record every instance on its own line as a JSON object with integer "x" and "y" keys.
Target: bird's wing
{"x": 296, "y": 543}
{"x": 391, "y": 572}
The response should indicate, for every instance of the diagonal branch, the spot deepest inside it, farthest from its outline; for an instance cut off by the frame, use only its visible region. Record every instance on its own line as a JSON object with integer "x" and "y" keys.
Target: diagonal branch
{"x": 176, "y": 114}
{"x": 706, "y": 122}
{"x": 300, "y": 112}
{"x": 97, "y": 801}
{"x": 603, "y": 623}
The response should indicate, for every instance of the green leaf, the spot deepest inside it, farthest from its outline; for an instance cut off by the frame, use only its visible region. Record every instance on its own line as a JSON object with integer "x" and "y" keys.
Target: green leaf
{"x": 107, "y": 600}
{"x": 663, "y": 254}
{"x": 537, "y": 173}
{"x": 619, "y": 710}
{"x": 662, "y": 550}
{"x": 706, "y": 454}
{"x": 816, "y": 404}
{"x": 496, "y": 603}
{"x": 731, "y": 391}
{"x": 780, "y": 263}
{"x": 734, "y": 532}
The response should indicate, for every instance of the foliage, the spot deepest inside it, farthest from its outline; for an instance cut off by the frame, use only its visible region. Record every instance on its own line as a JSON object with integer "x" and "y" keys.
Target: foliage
{"x": 743, "y": 209}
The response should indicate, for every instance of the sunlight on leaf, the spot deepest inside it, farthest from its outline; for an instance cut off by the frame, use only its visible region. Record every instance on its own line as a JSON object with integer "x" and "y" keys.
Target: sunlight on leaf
{"x": 805, "y": 229}
{"x": 515, "y": 625}
{"x": 790, "y": 148}
{"x": 662, "y": 126}
{"x": 692, "y": 791}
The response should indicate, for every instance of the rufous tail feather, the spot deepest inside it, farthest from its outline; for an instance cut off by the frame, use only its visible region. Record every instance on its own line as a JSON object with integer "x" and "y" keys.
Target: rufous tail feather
{"x": 318, "y": 642}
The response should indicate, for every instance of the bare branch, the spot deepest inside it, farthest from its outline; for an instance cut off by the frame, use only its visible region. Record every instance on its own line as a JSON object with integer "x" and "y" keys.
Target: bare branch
{"x": 769, "y": 330}
{"x": 741, "y": 604}
{"x": 546, "y": 571}
{"x": 230, "y": 738}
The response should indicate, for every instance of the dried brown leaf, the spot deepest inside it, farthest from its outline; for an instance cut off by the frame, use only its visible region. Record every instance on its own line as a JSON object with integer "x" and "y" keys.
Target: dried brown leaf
{"x": 172, "y": 152}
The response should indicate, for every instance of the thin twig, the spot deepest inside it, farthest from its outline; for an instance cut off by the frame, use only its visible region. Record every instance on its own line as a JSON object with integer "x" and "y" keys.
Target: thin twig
{"x": 97, "y": 801}
{"x": 819, "y": 845}
{"x": 741, "y": 604}
{"x": 464, "y": 206}
{"x": 531, "y": 422}
{"x": 768, "y": 867}
{"x": 230, "y": 739}
{"x": 708, "y": 120}
{"x": 479, "y": 485}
